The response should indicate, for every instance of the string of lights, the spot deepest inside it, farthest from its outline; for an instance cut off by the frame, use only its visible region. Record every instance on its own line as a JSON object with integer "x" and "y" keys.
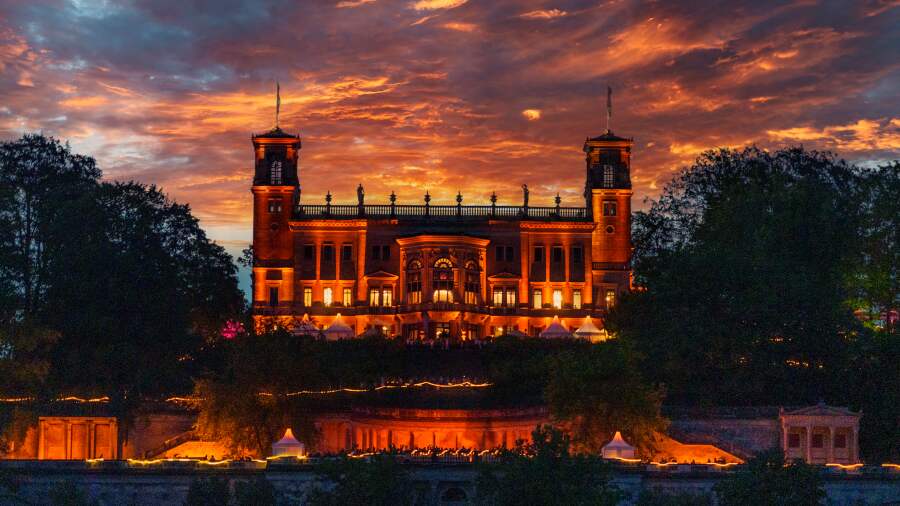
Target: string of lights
{"x": 328, "y": 391}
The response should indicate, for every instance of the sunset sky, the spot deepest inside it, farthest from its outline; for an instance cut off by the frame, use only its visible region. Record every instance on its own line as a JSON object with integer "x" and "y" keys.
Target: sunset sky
{"x": 442, "y": 95}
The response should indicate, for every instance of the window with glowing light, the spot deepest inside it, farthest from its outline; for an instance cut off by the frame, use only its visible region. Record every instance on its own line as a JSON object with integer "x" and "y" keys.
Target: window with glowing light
{"x": 348, "y": 297}
{"x": 328, "y": 296}
{"x": 537, "y": 298}
{"x": 557, "y": 299}
{"x": 373, "y": 296}
{"x": 610, "y": 298}
{"x": 307, "y": 296}
{"x": 274, "y": 206}
{"x": 442, "y": 280}
{"x": 414, "y": 282}
{"x": 473, "y": 283}
{"x": 387, "y": 297}
{"x": 576, "y": 299}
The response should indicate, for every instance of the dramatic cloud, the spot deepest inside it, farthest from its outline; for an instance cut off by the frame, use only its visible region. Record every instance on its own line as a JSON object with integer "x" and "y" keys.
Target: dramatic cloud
{"x": 440, "y": 95}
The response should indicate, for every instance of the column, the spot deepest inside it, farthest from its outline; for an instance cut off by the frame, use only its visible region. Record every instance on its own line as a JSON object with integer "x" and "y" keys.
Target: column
{"x": 831, "y": 443}
{"x": 808, "y": 454}
{"x": 784, "y": 437}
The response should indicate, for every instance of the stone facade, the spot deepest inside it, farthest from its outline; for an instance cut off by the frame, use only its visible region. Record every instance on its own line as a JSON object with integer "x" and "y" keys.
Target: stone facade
{"x": 427, "y": 271}
{"x": 435, "y": 485}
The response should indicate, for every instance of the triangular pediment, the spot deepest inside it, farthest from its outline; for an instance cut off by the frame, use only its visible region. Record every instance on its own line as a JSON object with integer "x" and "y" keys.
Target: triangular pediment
{"x": 821, "y": 410}
{"x": 504, "y": 275}
{"x": 381, "y": 275}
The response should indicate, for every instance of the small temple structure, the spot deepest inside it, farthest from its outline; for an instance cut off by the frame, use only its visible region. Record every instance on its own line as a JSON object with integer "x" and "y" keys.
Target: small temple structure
{"x": 821, "y": 434}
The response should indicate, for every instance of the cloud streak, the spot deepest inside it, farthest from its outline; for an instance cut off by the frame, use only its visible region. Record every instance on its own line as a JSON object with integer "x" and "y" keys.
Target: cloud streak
{"x": 440, "y": 95}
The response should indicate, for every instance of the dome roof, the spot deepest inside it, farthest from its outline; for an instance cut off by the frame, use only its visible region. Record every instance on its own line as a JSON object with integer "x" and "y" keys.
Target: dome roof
{"x": 555, "y": 330}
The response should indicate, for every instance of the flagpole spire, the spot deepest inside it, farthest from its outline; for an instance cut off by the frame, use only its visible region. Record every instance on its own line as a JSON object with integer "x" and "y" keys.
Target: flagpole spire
{"x": 277, "y": 102}
{"x": 608, "y": 107}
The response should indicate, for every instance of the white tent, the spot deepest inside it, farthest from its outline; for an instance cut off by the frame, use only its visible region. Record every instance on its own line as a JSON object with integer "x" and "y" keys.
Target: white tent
{"x": 555, "y": 330}
{"x": 306, "y": 328}
{"x": 617, "y": 448}
{"x": 288, "y": 446}
{"x": 515, "y": 332}
{"x": 589, "y": 331}
{"x": 339, "y": 330}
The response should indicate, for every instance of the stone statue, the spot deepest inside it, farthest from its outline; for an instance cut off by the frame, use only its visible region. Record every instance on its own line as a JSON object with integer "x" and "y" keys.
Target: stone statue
{"x": 360, "y": 194}
{"x": 524, "y": 195}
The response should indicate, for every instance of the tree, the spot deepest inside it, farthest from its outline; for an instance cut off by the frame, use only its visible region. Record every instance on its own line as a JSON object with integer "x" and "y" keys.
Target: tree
{"x": 742, "y": 261}
{"x": 545, "y": 472}
{"x": 599, "y": 391}
{"x": 377, "y": 481}
{"x": 767, "y": 480}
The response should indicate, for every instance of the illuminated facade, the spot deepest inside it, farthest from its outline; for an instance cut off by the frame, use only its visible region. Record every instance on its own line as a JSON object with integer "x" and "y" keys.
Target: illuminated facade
{"x": 426, "y": 271}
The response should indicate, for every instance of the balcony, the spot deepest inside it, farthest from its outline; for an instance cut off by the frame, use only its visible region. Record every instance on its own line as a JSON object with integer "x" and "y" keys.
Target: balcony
{"x": 441, "y": 213}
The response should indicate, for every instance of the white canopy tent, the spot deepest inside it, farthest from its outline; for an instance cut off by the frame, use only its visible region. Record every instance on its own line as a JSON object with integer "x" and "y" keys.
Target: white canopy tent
{"x": 306, "y": 328}
{"x": 589, "y": 331}
{"x": 555, "y": 330}
{"x": 288, "y": 446}
{"x": 339, "y": 330}
{"x": 617, "y": 448}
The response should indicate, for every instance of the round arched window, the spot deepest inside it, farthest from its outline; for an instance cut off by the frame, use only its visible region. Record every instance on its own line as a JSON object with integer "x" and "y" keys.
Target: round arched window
{"x": 442, "y": 280}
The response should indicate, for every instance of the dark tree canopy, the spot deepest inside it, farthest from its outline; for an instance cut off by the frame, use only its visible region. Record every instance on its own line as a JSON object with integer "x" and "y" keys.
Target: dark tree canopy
{"x": 764, "y": 280}
{"x": 109, "y": 288}
{"x": 767, "y": 480}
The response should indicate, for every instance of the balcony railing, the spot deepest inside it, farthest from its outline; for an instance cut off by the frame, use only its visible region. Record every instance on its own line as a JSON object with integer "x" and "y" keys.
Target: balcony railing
{"x": 287, "y": 308}
{"x": 425, "y": 212}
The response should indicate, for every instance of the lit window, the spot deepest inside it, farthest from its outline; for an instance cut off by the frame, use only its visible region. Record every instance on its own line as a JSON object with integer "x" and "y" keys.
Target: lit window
{"x": 373, "y": 296}
{"x": 348, "y": 297}
{"x": 610, "y": 298}
{"x": 307, "y": 296}
{"x": 576, "y": 299}
{"x": 327, "y": 296}
{"x": 414, "y": 283}
{"x": 274, "y": 206}
{"x": 537, "y": 298}
{"x": 609, "y": 208}
{"x": 443, "y": 296}
{"x": 511, "y": 297}
{"x": 557, "y": 299}
{"x": 387, "y": 297}
{"x": 498, "y": 297}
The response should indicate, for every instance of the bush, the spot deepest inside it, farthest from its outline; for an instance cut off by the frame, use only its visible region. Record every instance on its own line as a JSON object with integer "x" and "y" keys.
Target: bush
{"x": 208, "y": 492}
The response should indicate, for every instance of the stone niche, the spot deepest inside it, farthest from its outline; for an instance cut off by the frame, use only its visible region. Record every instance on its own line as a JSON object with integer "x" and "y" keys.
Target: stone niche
{"x": 77, "y": 438}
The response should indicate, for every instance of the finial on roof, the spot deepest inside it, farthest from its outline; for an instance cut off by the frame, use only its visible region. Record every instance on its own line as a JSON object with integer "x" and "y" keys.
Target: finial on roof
{"x": 608, "y": 107}
{"x": 277, "y": 102}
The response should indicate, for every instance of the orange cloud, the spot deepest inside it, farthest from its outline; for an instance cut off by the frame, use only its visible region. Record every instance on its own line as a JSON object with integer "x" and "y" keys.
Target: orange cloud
{"x": 543, "y": 14}
{"x": 864, "y": 134}
{"x": 532, "y": 114}
{"x": 430, "y": 5}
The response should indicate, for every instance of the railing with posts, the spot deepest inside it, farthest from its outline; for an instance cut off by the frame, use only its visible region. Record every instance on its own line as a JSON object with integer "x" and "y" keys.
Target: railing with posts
{"x": 346, "y": 211}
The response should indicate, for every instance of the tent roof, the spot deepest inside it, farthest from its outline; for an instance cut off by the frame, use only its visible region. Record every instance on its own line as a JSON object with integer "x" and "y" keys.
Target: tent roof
{"x": 556, "y": 329}
{"x": 588, "y": 328}
{"x": 339, "y": 329}
{"x": 617, "y": 442}
{"x": 287, "y": 441}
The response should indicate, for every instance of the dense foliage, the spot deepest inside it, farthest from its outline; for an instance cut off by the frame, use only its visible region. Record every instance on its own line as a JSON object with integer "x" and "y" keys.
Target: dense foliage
{"x": 546, "y": 472}
{"x": 752, "y": 265}
{"x": 377, "y": 481}
{"x": 105, "y": 288}
{"x": 767, "y": 480}
{"x": 593, "y": 388}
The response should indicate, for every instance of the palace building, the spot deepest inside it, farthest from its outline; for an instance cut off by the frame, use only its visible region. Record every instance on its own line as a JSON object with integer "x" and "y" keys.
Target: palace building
{"x": 422, "y": 271}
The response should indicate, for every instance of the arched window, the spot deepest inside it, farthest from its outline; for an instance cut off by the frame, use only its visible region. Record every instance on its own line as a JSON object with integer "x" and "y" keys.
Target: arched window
{"x": 414, "y": 282}
{"x": 442, "y": 280}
